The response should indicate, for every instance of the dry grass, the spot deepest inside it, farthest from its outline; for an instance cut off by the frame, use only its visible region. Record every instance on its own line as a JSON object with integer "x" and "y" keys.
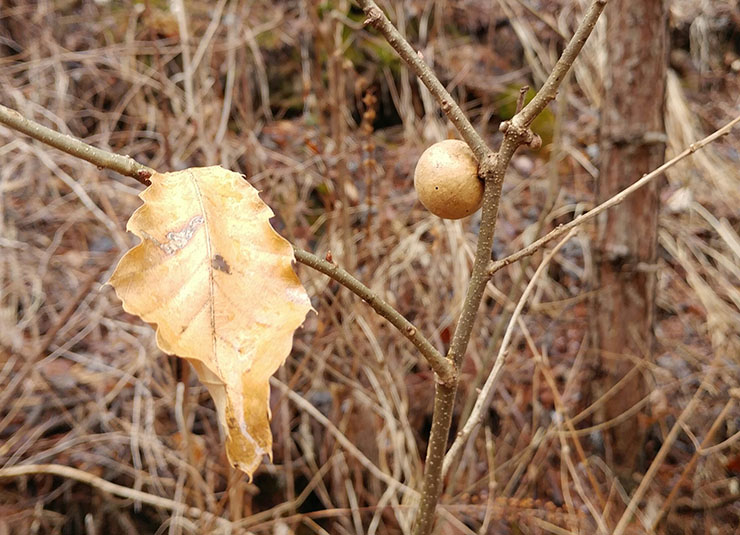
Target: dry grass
{"x": 250, "y": 86}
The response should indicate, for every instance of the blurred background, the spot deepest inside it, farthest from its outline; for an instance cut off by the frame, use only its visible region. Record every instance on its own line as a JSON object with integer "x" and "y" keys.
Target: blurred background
{"x": 324, "y": 119}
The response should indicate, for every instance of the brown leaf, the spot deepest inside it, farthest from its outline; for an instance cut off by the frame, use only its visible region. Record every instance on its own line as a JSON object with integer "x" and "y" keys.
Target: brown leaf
{"x": 217, "y": 281}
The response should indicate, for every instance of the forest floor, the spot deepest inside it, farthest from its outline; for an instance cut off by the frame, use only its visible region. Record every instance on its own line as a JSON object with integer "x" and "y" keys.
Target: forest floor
{"x": 300, "y": 98}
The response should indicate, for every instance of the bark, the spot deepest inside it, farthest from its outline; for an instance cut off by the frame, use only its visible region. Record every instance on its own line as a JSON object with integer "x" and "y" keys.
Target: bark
{"x": 632, "y": 144}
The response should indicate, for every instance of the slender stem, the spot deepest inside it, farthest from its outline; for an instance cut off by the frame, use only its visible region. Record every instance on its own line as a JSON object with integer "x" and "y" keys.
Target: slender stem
{"x": 124, "y": 165}
{"x": 492, "y": 168}
{"x": 377, "y": 19}
{"x": 128, "y": 166}
{"x": 618, "y": 198}
{"x": 549, "y": 89}
{"x": 486, "y": 392}
{"x": 441, "y": 366}
{"x": 444, "y": 401}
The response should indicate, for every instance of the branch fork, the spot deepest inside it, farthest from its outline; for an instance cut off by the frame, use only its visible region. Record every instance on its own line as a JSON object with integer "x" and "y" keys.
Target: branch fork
{"x": 522, "y": 135}
{"x": 491, "y": 169}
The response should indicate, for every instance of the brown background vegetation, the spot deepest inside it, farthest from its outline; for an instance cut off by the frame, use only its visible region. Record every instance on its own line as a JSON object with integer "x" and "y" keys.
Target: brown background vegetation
{"x": 300, "y": 99}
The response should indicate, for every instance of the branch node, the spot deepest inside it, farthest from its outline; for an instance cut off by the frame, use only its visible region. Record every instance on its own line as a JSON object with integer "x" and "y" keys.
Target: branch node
{"x": 373, "y": 16}
{"x": 520, "y": 100}
{"x": 535, "y": 142}
{"x": 143, "y": 175}
{"x": 451, "y": 382}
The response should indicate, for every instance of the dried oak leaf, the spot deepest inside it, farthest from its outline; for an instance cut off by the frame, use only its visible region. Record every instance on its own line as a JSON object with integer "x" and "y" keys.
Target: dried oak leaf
{"x": 218, "y": 282}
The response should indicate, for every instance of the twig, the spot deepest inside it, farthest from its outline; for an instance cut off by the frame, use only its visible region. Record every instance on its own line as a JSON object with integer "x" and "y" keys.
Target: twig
{"x": 441, "y": 366}
{"x": 492, "y": 168}
{"x": 377, "y": 19}
{"x": 486, "y": 392}
{"x": 111, "y": 488}
{"x": 618, "y": 198}
{"x": 549, "y": 89}
{"x": 124, "y": 165}
{"x": 128, "y": 166}
{"x": 520, "y": 99}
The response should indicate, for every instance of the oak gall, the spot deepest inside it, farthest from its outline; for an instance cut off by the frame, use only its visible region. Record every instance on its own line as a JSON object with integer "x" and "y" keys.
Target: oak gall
{"x": 446, "y": 180}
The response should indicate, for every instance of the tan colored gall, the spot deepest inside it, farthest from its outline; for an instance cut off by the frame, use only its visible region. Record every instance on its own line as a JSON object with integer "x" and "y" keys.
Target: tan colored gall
{"x": 446, "y": 180}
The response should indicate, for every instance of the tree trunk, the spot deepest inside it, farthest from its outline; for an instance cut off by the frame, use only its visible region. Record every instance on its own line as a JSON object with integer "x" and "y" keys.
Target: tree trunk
{"x": 632, "y": 144}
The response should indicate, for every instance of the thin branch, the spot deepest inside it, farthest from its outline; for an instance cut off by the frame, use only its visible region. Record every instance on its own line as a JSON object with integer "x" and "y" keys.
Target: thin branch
{"x": 441, "y": 366}
{"x": 128, "y": 166}
{"x": 549, "y": 89}
{"x": 377, "y": 19}
{"x": 124, "y": 165}
{"x": 486, "y": 392}
{"x": 618, "y": 198}
{"x": 111, "y": 488}
{"x": 492, "y": 169}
